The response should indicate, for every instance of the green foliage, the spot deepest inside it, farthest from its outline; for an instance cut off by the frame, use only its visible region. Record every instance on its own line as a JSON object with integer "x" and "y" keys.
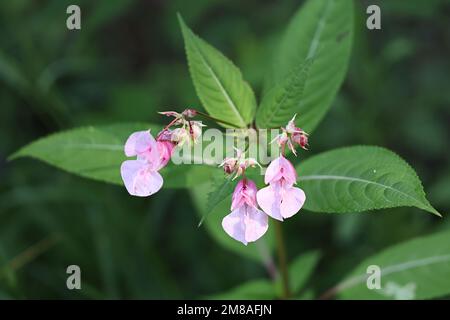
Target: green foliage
{"x": 128, "y": 247}
{"x": 323, "y": 30}
{"x": 282, "y": 101}
{"x": 252, "y": 290}
{"x": 301, "y": 269}
{"x": 222, "y": 188}
{"x": 415, "y": 269}
{"x": 218, "y": 82}
{"x": 358, "y": 179}
{"x": 97, "y": 153}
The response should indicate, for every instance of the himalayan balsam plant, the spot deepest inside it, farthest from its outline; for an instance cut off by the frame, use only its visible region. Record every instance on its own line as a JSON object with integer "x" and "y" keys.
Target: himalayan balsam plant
{"x": 238, "y": 206}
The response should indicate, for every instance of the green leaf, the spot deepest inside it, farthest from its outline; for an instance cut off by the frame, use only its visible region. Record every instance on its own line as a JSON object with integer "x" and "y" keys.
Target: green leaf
{"x": 97, "y": 153}
{"x": 358, "y": 179}
{"x": 416, "y": 269}
{"x": 252, "y": 290}
{"x": 283, "y": 100}
{"x": 301, "y": 269}
{"x": 218, "y": 82}
{"x": 323, "y": 30}
{"x": 299, "y": 272}
{"x": 222, "y": 188}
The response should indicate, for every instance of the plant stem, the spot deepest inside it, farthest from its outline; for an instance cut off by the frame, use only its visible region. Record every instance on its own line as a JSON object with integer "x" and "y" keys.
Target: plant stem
{"x": 215, "y": 119}
{"x": 282, "y": 261}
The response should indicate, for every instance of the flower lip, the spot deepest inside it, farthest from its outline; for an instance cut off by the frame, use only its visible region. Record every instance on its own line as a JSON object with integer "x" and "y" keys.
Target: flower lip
{"x": 244, "y": 194}
{"x": 280, "y": 168}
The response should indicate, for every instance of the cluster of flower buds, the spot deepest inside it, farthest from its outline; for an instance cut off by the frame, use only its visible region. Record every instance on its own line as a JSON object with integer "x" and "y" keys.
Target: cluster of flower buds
{"x": 188, "y": 131}
{"x": 292, "y": 136}
{"x": 238, "y": 164}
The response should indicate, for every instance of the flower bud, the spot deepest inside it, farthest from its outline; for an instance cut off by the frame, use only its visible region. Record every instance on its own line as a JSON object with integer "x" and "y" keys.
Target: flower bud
{"x": 301, "y": 139}
{"x": 229, "y": 165}
{"x": 189, "y": 113}
{"x": 196, "y": 130}
{"x": 180, "y": 136}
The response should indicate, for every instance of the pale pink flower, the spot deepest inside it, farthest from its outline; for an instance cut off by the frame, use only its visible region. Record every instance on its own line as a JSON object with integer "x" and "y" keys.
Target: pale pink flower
{"x": 246, "y": 223}
{"x": 280, "y": 199}
{"x": 140, "y": 176}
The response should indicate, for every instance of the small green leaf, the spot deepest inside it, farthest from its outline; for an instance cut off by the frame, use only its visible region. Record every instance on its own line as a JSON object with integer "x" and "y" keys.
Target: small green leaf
{"x": 299, "y": 272}
{"x": 252, "y": 290}
{"x": 360, "y": 178}
{"x": 97, "y": 153}
{"x": 323, "y": 30}
{"x": 283, "y": 100}
{"x": 416, "y": 269}
{"x": 301, "y": 269}
{"x": 218, "y": 82}
{"x": 222, "y": 188}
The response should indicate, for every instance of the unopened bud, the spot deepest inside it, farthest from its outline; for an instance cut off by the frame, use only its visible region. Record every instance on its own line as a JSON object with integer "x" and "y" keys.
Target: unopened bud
{"x": 229, "y": 165}
{"x": 189, "y": 113}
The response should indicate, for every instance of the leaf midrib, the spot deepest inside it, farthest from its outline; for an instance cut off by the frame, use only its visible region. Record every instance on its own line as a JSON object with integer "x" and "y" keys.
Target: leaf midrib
{"x": 355, "y": 179}
{"x": 392, "y": 269}
{"x": 219, "y": 84}
{"x": 286, "y": 95}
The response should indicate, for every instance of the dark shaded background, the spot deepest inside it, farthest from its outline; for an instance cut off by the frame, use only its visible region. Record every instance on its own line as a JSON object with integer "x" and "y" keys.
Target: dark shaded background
{"x": 126, "y": 63}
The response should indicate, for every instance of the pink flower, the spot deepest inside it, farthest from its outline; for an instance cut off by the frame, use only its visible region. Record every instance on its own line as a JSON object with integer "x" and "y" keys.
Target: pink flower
{"x": 141, "y": 176}
{"x": 281, "y": 199}
{"x": 246, "y": 223}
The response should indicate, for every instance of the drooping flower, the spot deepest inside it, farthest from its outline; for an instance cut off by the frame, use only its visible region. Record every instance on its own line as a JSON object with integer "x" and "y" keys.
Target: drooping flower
{"x": 246, "y": 223}
{"x": 140, "y": 176}
{"x": 280, "y": 199}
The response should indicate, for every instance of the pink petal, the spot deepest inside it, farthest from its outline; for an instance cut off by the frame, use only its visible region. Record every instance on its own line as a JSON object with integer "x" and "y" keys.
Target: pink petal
{"x": 233, "y": 224}
{"x": 280, "y": 201}
{"x": 280, "y": 168}
{"x": 292, "y": 201}
{"x": 139, "y": 143}
{"x": 256, "y": 224}
{"x": 244, "y": 193}
{"x": 245, "y": 224}
{"x": 139, "y": 178}
{"x": 273, "y": 171}
{"x": 165, "y": 150}
{"x": 269, "y": 200}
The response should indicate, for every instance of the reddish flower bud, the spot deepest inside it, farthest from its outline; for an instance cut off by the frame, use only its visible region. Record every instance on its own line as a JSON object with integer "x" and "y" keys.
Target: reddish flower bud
{"x": 189, "y": 113}
{"x": 301, "y": 139}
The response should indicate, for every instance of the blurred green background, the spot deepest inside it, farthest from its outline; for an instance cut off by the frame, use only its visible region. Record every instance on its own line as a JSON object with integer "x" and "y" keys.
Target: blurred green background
{"x": 126, "y": 63}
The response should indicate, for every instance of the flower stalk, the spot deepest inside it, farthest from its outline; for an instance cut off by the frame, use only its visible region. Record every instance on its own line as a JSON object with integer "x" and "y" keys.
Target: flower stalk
{"x": 282, "y": 260}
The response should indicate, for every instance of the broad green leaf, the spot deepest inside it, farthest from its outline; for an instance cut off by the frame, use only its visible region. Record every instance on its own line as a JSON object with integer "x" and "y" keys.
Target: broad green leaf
{"x": 416, "y": 269}
{"x": 252, "y": 290}
{"x": 283, "y": 100}
{"x": 218, "y": 82}
{"x": 360, "y": 178}
{"x": 258, "y": 250}
{"x": 323, "y": 30}
{"x": 97, "y": 153}
{"x": 301, "y": 269}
